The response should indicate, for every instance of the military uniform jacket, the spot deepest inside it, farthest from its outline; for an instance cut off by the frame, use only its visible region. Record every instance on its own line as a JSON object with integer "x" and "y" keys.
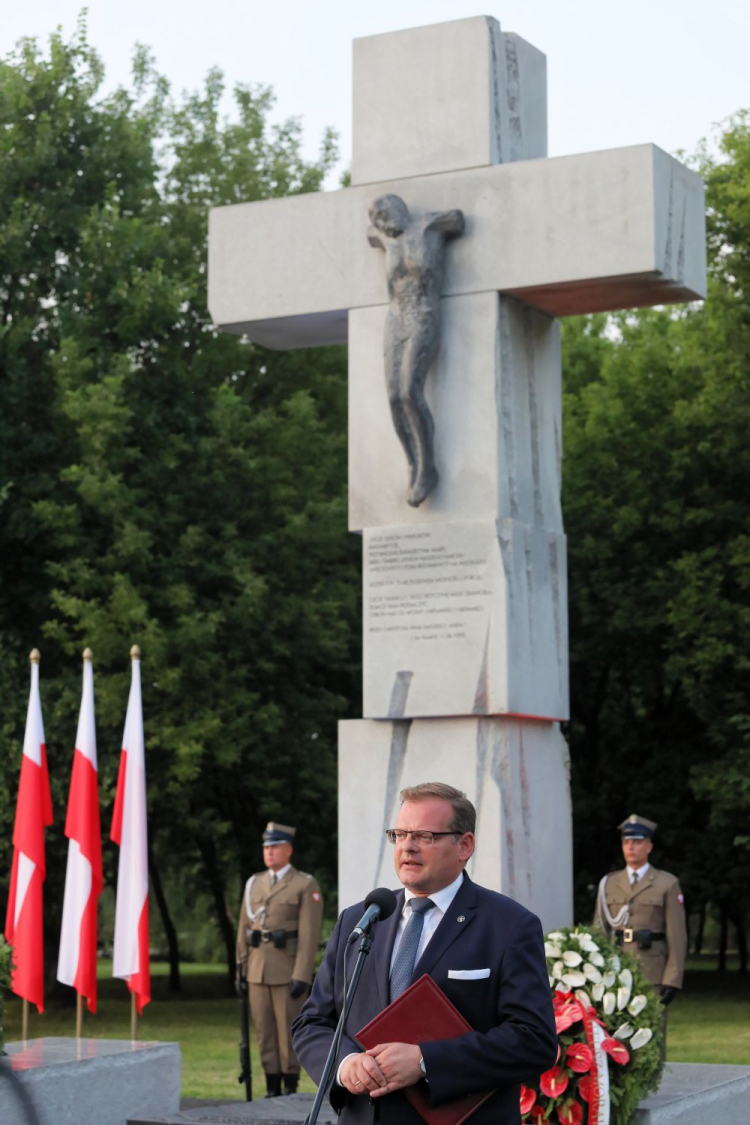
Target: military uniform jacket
{"x": 294, "y": 904}
{"x": 655, "y": 903}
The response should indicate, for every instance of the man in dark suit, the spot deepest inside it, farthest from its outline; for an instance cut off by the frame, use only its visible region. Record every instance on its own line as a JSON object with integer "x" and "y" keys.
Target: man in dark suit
{"x": 485, "y": 952}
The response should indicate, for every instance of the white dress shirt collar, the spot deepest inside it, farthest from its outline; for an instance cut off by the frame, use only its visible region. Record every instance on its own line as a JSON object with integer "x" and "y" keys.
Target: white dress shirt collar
{"x": 274, "y": 876}
{"x": 640, "y": 872}
{"x": 442, "y": 898}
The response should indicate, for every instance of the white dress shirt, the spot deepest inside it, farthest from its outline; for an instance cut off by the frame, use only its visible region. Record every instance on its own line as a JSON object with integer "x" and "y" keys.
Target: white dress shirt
{"x": 640, "y": 872}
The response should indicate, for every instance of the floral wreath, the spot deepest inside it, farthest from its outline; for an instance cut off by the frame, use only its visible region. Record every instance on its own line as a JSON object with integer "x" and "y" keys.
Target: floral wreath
{"x": 609, "y": 1028}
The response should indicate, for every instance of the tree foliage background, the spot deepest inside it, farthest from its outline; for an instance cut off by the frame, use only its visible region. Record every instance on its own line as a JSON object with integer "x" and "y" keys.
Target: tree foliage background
{"x": 165, "y": 485}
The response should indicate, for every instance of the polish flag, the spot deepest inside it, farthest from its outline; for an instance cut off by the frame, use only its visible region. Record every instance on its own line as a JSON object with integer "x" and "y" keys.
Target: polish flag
{"x": 23, "y": 922}
{"x": 83, "y": 881}
{"x": 130, "y": 960}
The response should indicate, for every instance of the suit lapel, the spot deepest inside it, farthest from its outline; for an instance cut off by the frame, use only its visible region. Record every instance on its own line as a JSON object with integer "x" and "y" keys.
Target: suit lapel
{"x": 618, "y": 885}
{"x": 464, "y": 907}
{"x": 382, "y": 948}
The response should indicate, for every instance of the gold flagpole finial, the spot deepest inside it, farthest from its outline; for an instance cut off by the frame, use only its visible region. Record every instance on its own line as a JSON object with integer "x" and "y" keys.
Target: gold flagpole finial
{"x": 88, "y": 655}
{"x": 135, "y": 653}
{"x": 35, "y": 656}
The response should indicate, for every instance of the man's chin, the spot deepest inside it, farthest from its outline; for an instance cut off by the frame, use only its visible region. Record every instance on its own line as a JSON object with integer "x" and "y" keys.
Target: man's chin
{"x": 411, "y": 877}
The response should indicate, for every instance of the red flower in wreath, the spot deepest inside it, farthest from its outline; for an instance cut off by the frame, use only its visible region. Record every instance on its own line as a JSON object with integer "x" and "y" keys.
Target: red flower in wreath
{"x": 528, "y": 1097}
{"x": 554, "y": 1082}
{"x": 579, "y": 1057}
{"x": 536, "y": 1115}
{"x": 570, "y": 1113}
{"x": 567, "y": 1011}
{"x": 617, "y": 1050}
{"x": 584, "y": 1087}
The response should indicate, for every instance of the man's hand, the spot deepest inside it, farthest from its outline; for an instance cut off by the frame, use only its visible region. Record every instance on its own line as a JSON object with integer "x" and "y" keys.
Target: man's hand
{"x": 399, "y": 1062}
{"x": 668, "y": 994}
{"x": 361, "y": 1074}
{"x": 297, "y": 988}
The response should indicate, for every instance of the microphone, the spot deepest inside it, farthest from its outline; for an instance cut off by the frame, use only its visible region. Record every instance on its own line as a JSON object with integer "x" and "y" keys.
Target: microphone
{"x": 380, "y": 903}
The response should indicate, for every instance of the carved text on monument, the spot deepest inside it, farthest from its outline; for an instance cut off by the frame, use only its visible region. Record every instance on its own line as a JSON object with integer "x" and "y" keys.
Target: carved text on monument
{"x": 424, "y": 587}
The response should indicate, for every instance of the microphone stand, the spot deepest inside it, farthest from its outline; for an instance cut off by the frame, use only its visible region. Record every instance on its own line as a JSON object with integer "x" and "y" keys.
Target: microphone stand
{"x": 364, "y": 949}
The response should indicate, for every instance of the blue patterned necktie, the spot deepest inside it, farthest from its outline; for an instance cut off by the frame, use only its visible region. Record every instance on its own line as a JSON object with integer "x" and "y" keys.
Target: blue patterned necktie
{"x": 403, "y": 966}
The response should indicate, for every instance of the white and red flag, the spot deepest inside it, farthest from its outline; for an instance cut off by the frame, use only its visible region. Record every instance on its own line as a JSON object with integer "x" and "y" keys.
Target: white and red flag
{"x": 131, "y": 960}
{"x": 23, "y": 922}
{"x": 83, "y": 881}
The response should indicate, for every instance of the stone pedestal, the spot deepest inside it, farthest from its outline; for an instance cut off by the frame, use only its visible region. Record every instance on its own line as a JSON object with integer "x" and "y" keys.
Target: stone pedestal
{"x": 87, "y": 1081}
{"x": 516, "y": 774}
{"x": 696, "y": 1094}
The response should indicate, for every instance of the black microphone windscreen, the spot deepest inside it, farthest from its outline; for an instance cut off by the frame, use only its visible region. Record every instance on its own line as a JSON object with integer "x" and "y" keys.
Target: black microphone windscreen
{"x": 383, "y": 898}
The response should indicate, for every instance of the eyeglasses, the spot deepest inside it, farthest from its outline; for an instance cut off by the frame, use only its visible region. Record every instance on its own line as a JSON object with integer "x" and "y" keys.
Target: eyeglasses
{"x": 398, "y": 836}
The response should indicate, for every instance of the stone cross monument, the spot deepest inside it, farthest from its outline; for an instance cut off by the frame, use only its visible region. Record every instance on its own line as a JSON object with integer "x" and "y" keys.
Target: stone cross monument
{"x": 465, "y": 597}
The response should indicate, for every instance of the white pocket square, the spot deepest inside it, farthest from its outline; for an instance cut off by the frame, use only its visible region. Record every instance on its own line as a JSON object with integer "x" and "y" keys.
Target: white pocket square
{"x": 468, "y": 974}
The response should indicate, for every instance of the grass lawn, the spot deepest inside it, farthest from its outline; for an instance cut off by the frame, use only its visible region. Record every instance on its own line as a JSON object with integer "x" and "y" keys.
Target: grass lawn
{"x": 708, "y": 1022}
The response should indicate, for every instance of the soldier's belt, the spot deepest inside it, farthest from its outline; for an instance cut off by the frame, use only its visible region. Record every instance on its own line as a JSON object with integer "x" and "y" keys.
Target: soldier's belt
{"x": 641, "y": 936}
{"x": 278, "y": 938}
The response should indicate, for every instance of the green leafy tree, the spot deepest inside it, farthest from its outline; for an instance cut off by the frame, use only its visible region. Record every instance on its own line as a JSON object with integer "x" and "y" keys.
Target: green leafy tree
{"x": 656, "y": 486}
{"x": 164, "y": 484}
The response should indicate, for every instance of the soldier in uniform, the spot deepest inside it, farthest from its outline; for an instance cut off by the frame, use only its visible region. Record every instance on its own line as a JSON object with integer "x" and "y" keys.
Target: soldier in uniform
{"x": 277, "y": 939}
{"x": 643, "y": 909}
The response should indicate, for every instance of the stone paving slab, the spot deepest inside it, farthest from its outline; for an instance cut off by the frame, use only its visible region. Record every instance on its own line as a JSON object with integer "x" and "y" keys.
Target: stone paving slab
{"x": 290, "y": 1109}
{"x": 697, "y": 1094}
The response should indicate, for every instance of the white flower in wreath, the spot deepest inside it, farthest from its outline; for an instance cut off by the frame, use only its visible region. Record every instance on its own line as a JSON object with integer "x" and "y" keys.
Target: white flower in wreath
{"x": 596, "y": 958}
{"x": 641, "y": 1038}
{"x": 560, "y": 987}
{"x": 623, "y": 996}
{"x": 609, "y": 979}
{"x": 608, "y": 1003}
{"x": 552, "y": 951}
{"x": 556, "y": 936}
{"x": 557, "y": 970}
{"x": 583, "y": 997}
{"x": 624, "y": 1031}
{"x": 614, "y": 963}
{"x": 571, "y": 958}
{"x": 574, "y": 979}
{"x": 626, "y": 978}
{"x": 591, "y": 972}
{"x": 597, "y": 992}
{"x": 637, "y": 1004}
{"x": 551, "y": 981}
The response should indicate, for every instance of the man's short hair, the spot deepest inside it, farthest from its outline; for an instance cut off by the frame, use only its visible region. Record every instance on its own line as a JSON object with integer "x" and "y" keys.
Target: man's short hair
{"x": 464, "y": 817}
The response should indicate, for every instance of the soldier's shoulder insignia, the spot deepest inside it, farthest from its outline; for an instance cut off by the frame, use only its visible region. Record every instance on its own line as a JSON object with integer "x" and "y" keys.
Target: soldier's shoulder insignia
{"x": 317, "y": 896}
{"x": 681, "y": 898}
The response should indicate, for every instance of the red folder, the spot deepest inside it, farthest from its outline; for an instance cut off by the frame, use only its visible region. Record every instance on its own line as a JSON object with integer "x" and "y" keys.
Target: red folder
{"x": 420, "y": 1014}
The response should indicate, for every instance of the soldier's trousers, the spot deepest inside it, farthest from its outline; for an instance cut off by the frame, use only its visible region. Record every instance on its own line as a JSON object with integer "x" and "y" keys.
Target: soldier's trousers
{"x": 274, "y": 1012}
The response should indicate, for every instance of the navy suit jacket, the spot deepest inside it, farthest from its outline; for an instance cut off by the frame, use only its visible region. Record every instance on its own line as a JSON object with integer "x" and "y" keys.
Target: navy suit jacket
{"x": 514, "y": 1038}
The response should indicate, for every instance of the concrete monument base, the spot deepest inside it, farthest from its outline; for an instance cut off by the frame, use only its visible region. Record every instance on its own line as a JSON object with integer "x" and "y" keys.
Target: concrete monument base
{"x": 97, "y": 1081}
{"x": 514, "y": 771}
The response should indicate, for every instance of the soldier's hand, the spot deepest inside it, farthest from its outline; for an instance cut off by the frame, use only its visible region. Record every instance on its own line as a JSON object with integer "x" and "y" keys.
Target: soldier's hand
{"x": 668, "y": 994}
{"x": 297, "y": 988}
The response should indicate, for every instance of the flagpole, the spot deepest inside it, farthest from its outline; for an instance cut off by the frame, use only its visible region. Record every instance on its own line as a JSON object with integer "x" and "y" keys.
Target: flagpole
{"x": 25, "y": 1021}
{"x": 79, "y": 1015}
{"x": 133, "y": 1018}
